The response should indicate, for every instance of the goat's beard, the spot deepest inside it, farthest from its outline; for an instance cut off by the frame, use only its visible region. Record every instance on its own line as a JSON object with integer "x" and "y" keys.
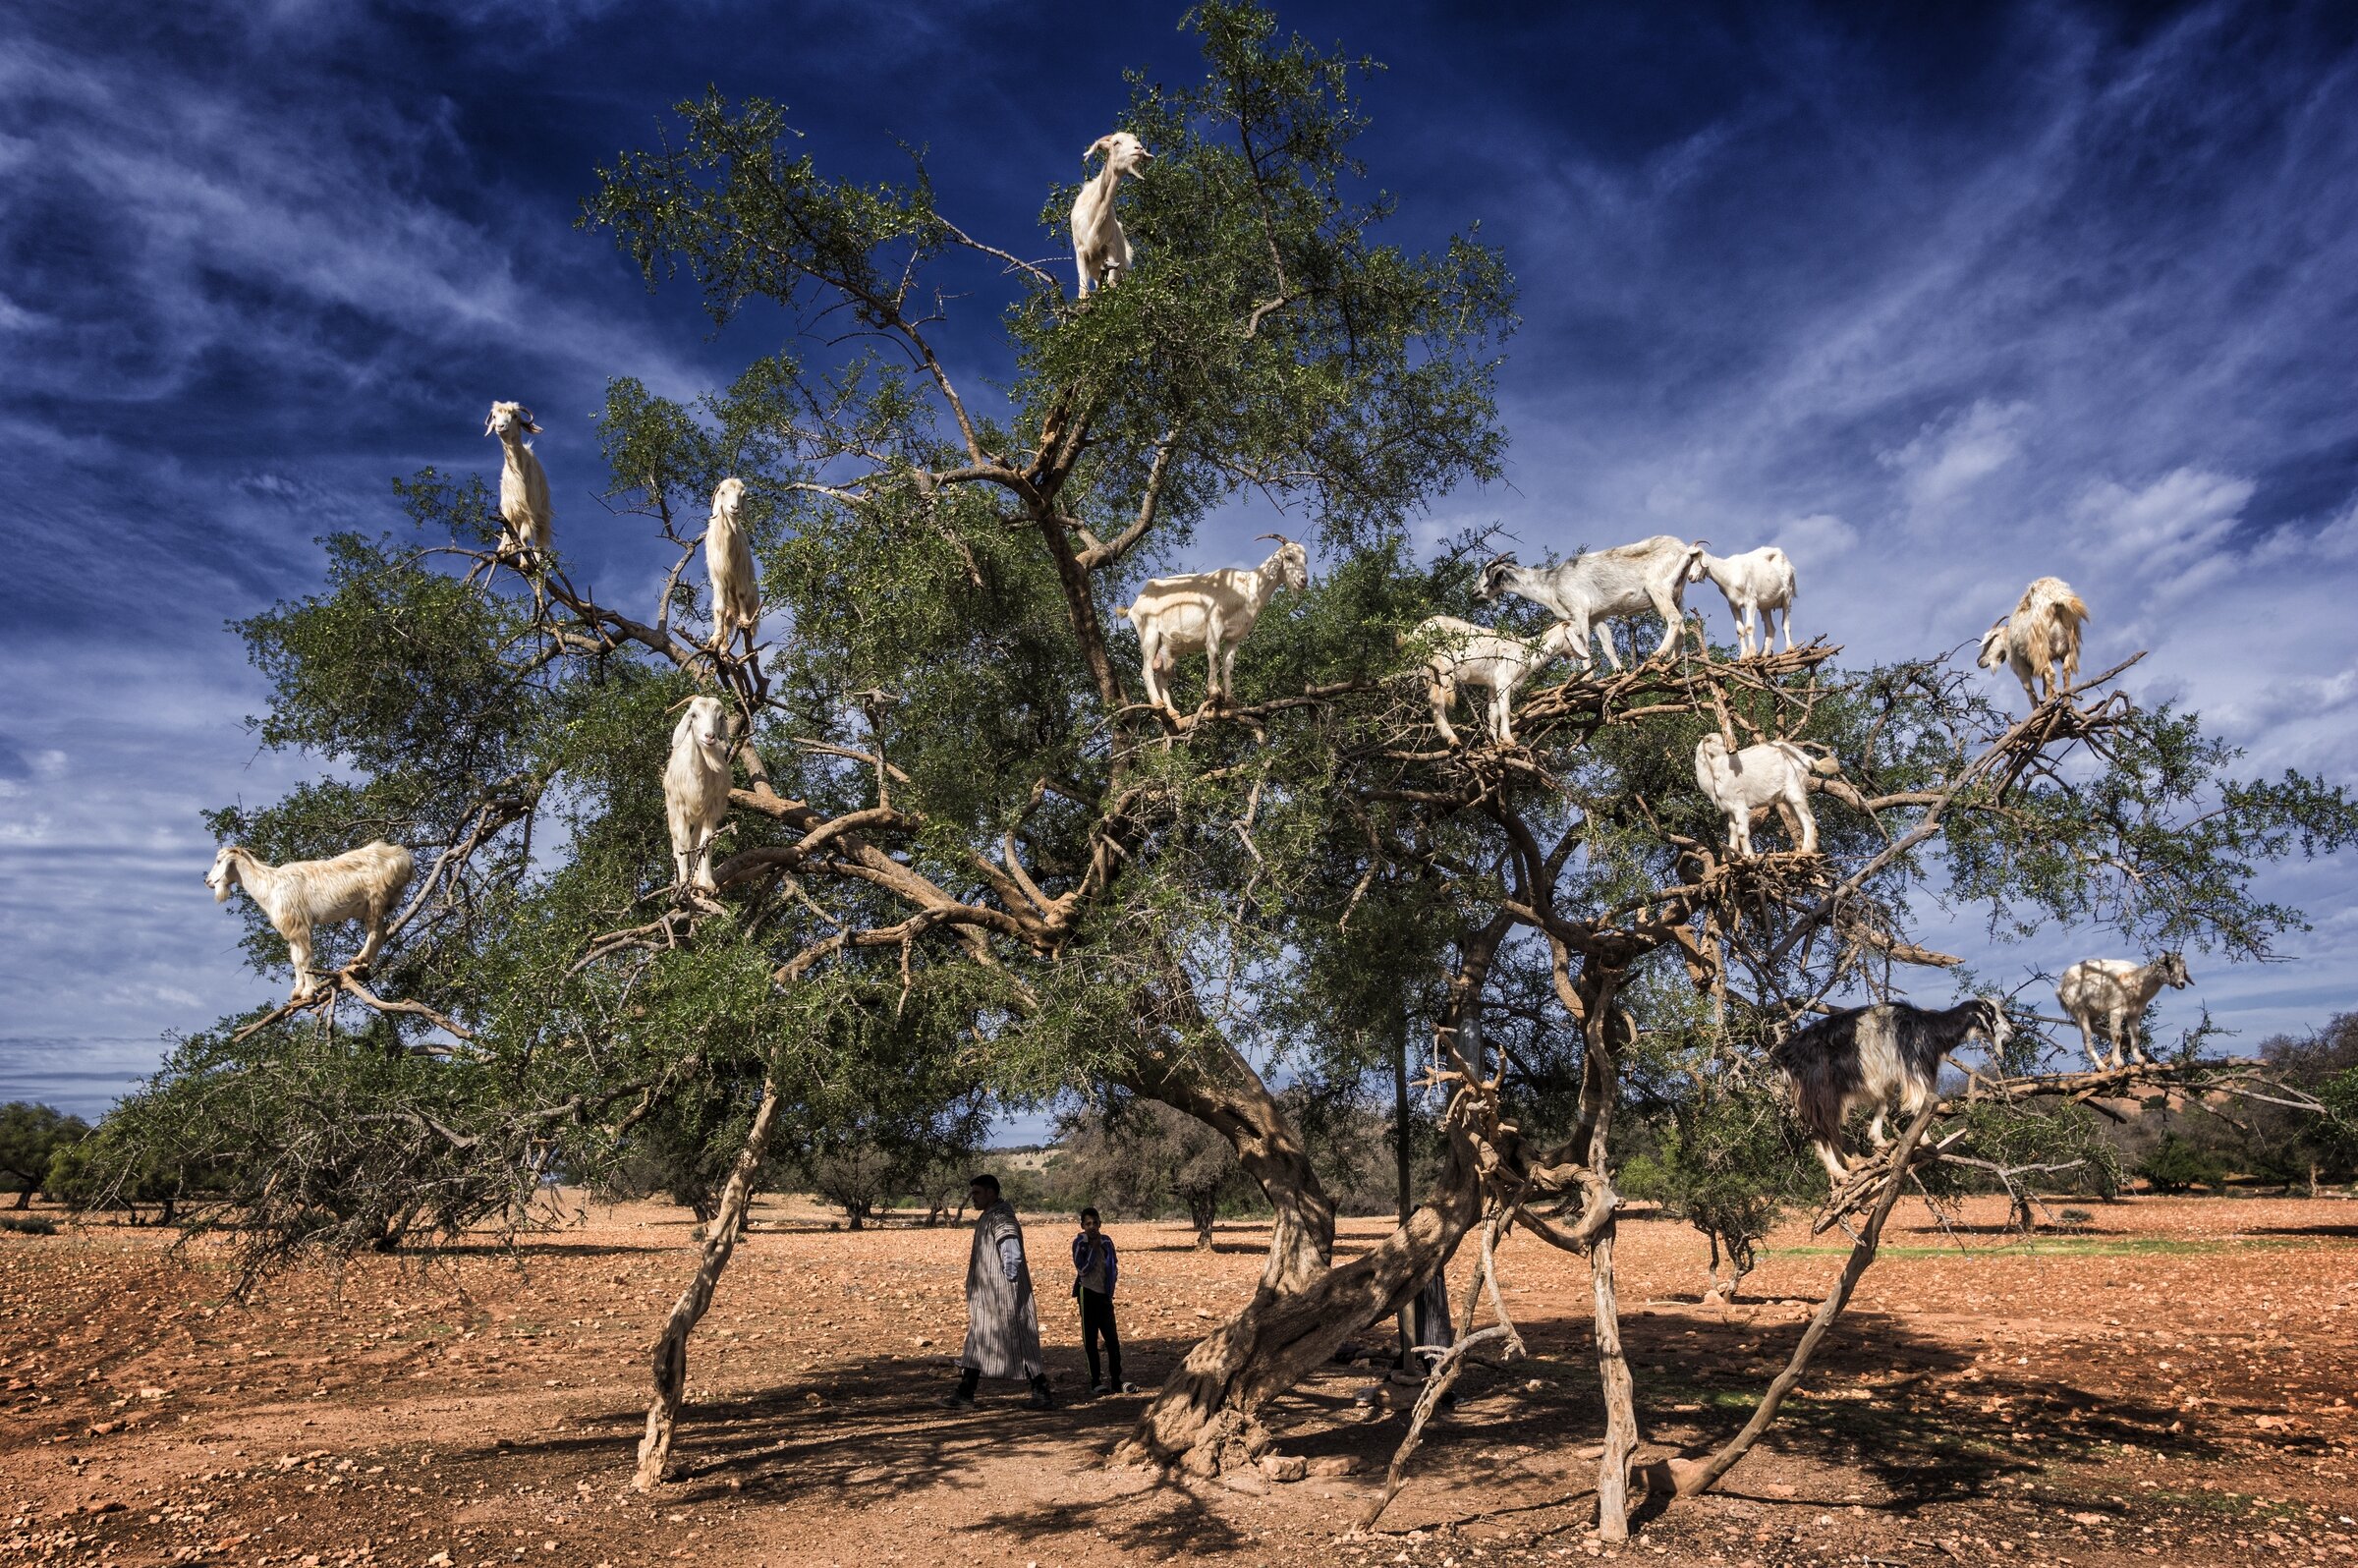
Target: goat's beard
{"x": 221, "y": 891}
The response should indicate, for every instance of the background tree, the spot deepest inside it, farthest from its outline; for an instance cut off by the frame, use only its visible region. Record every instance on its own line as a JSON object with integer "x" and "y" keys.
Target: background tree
{"x": 30, "y": 1136}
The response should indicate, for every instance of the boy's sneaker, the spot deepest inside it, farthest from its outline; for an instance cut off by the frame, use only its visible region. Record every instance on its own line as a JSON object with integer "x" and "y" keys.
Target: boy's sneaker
{"x": 1129, "y": 1388}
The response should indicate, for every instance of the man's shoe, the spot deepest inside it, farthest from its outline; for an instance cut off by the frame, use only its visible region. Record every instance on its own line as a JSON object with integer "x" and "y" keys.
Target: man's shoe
{"x": 961, "y": 1398}
{"x": 1039, "y": 1398}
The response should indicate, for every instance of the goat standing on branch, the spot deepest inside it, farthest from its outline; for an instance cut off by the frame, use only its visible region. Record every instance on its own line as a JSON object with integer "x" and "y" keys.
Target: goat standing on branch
{"x": 524, "y": 505}
{"x": 729, "y": 561}
{"x": 2112, "y": 994}
{"x": 1609, "y": 586}
{"x": 1869, "y": 1056}
{"x": 1210, "y": 610}
{"x": 1774, "y": 773}
{"x": 696, "y": 790}
{"x": 1464, "y": 653}
{"x": 1757, "y": 584}
{"x": 2041, "y": 641}
{"x": 1101, "y": 250}
{"x": 300, "y": 896}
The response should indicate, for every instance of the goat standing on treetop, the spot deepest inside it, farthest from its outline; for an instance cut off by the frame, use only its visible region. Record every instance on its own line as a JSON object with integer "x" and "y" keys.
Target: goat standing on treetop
{"x": 300, "y": 896}
{"x": 1465, "y": 654}
{"x": 1775, "y": 772}
{"x": 2041, "y": 641}
{"x": 1101, "y": 250}
{"x": 2113, "y": 993}
{"x": 1210, "y": 610}
{"x": 524, "y": 504}
{"x": 729, "y": 561}
{"x": 1758, "y": 586}
{"x": 696, "y": 790}
{"x": 1607, "y": 585}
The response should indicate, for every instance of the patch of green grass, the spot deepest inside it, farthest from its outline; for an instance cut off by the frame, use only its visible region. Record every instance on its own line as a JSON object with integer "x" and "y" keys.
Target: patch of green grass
{"x": 2061, "y": 1247}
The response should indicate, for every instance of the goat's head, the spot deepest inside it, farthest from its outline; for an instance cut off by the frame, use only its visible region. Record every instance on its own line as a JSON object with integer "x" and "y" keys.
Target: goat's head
{"x": 1994, "y": 648}
{"x": 1493, "y": 578}
{"x": 507, "y": 418}
{"x": 705, "y": 724}
{"x": 224, "y": 874}
{"x": 1124, "y": 152}
{"x": 1291, "y": 561}
{"x": 728, "y": 496}
{"x": 2173, "y": 971}
{"x": 1991, "y": 1019}
{"x": 1694, "y": 571}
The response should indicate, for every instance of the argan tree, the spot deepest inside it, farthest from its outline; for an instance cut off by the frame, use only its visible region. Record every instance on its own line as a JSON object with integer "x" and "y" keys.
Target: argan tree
{"x": 963, "y": 859}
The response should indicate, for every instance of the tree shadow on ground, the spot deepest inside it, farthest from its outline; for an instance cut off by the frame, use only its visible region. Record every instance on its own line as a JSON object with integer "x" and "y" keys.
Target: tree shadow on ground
{"x": 874, "y": 1434}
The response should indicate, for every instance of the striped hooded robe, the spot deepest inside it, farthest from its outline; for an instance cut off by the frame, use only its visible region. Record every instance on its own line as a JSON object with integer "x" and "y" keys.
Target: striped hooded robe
{"x": 1002, "y": 1328}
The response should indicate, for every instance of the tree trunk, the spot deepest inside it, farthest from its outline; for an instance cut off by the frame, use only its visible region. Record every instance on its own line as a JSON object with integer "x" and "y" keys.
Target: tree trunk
{"x": 1601, "y": 1086}
{"x": 1203, "y": 1209}
{"x": 24, "y": 1193}
{"x": 1239, "y": 1106}
{"x": 1686, "y": 1477}
{"x": 670, "y": 1360}
{"x": 1206, "y": 1416}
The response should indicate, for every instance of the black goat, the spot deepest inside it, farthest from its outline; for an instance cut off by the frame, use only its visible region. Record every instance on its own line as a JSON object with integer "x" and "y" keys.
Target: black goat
{"x": 1869, "y": 1056}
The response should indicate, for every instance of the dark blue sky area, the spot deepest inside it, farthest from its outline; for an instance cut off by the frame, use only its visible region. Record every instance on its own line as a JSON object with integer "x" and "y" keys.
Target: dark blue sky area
{"x": 1937, "y": 298}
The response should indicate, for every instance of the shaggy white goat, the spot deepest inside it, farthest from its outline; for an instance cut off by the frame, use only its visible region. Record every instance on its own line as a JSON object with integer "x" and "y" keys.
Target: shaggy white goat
{"x": 2112, "y": 994}
{"x": 1101, "y": 250}
{"x": 729, "y": 561}
{"x": 1605, "y": 585}
{"x": 300, "y": 896}
{"x": 1758, "y": 586}
{"x": 1210, "y": 610}
{"x": 1742, "y": 782}
{"x": 2040, "y": 637}
{"x": 696, "y": 790}
{"x": 1466, "y": 655}
{"x": 524, "y": 503}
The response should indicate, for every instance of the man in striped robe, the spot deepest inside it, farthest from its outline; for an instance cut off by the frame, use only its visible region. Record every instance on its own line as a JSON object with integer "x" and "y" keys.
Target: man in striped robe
{"x": 1003, "y": 1326}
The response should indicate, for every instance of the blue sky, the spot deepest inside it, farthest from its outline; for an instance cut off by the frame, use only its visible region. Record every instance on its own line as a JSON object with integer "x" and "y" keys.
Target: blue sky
{"x": 1939, "y": 303}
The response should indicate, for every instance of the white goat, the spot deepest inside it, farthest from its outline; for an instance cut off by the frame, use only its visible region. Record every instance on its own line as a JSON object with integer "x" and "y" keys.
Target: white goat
{"x": 2112, "y": 994}
{"x": 1771, "y": 773}
{"x": 1605, "y": 585}
{"x": 1101, "y": 250}
{"x": 729, "y": 561}
{"x": 2040, "y": 637}
{"x": 1210, "y": 610}
{"x": 696, "y": 790}
{"x": 300, "y": 896}
{"x": 1758, "y": 586}
{"x": 1466, "y": 655}
{"x": 524, "y": 504}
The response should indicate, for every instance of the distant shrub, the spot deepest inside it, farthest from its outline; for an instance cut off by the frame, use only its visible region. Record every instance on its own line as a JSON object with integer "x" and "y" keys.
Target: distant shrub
{"x": 29, "y": 1224}
{"x": 2175, "y": 1165}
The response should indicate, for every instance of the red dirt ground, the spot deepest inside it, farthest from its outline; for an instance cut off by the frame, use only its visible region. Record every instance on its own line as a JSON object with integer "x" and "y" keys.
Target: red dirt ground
{"x": 2173, "y": 1385}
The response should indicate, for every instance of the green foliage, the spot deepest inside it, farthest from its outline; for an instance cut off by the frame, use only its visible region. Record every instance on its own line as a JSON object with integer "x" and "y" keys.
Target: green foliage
{"x": 2175, "y": 1164}
{"x": 30, "y": 1136}
{"x": 1726, "y": 1159}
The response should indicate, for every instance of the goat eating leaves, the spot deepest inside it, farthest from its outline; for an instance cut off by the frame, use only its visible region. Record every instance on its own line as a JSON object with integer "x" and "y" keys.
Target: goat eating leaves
{"x": 1605, "y": 586}
{"x": 300, "y": 896}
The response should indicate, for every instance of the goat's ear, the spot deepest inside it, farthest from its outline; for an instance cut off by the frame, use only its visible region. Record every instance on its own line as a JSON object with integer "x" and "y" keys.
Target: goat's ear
{"x": 490, "y": 422}
{"x": 1101, "y": 144}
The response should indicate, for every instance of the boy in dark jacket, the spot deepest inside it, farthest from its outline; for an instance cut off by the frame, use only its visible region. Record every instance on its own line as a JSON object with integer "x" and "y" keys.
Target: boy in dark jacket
{"x": 1096, "y": 1270}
